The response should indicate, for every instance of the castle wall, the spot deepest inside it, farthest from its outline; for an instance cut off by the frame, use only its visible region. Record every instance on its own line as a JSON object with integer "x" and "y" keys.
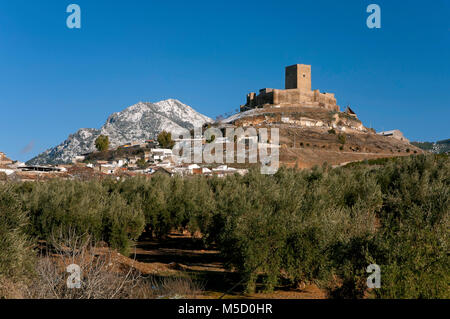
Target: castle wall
{"x": 251, "y": 99}
{"x": 298, "y": 91}
{"x": 326, "y": 99}
{"x": 292, "y": 96}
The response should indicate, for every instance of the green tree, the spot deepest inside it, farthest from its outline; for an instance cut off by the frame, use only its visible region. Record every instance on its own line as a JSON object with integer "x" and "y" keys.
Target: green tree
{"x": 16, "y": 255}
{"x": 165, "y": 140}
{"x": 141, "y": 163}
{"x": 102, "y": 143}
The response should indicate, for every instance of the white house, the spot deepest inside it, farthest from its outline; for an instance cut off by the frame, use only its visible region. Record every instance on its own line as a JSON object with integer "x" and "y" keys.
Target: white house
{"x": 7, "y": 171}
{"x": 397, "y": 134}
{"x": 78, "y": 158}
{"x": 191, "y": 168}
{"x": 161, "y": 153}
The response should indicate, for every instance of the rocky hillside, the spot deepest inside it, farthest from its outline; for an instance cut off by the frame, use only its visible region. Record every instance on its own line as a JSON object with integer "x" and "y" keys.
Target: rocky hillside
{"x": 438, "y": 147}
{"x": 310, "y": 136}
{"x": 136, "y": 123}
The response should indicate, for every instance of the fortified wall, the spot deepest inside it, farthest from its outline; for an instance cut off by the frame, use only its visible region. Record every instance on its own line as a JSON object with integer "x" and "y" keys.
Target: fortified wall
{"x": 297, "y": 92}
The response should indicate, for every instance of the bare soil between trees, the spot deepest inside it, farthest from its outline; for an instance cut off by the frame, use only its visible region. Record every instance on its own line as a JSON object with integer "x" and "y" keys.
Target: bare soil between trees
{"x": 181, "y": 254}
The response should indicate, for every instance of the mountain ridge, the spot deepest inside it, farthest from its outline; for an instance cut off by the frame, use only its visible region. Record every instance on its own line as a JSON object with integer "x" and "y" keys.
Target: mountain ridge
{"x": 437, "y": 147}
{"x": 140, "y": 121}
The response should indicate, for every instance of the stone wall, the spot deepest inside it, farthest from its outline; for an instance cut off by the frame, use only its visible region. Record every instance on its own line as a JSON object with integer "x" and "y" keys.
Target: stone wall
{"x": 292, "y": 97}
{"x": 298, "y": 92}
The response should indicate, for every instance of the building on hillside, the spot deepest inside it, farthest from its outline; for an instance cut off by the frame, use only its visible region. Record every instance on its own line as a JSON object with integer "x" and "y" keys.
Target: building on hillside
{"x": 133, "y": 159}
{"x": 7, "y": 171}
{"x": 42, "y": 169}
{"x": 160, "y": 154}
{"x": 297, "y": 92}
{"x": 224, "y": 170}
{"x": 107, "y": 168}
{"x": 193, "y": 167}
{"x": 150, "y": 144}
{"x": 165, "y": 163}
{"x": 397, "y": 134}
{"x": 16, "y": 164}
{"x": 119, "y": 162}
{"x": 78, "y": 159}
{"x": 148, "y": 156}
{"x": 201, "y": 171}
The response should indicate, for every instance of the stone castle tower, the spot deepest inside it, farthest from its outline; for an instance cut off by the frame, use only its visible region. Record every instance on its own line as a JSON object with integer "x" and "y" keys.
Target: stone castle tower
{"x": 298, "y": 76}
{"x": 297, "y": 92}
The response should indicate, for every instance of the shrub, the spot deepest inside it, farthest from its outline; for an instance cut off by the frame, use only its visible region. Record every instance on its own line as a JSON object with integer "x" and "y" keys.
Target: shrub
{"x": 174, "y": 287}
{"x": 323, "y": 225}
{"x": 122, "y": 223}
{"x": 3, "y": 176}
{"x": 100, "y": 276}
{"x": 415, "y": 262}
{"x": 86, "y": 207}
{"x": 415, "y": 223}
{"x": 287, "y": 223}
{"x": 16, "y": 256}
{"x": 57, "y": 204}
{"x": 411, "y": 244}
{"x": 141, "y": 163}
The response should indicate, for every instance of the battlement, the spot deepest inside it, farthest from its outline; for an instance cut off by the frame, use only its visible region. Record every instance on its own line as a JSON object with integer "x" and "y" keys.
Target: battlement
{"x": 297, "y": 93}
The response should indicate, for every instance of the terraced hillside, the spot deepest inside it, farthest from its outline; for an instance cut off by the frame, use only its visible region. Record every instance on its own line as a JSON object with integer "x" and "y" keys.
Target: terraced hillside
{"x": 312, "y": 136}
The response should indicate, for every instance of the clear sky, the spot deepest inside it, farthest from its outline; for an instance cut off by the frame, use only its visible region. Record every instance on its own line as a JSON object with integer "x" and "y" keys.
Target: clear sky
{"x": 210, "y": 54}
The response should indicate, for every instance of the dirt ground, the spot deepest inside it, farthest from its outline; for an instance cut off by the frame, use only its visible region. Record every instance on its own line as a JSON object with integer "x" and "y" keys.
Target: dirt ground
{"x": 181, "y": 254}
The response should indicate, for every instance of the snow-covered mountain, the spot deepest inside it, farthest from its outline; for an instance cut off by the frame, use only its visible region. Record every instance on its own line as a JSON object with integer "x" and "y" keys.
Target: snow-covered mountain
{"x": 136, "y": 123}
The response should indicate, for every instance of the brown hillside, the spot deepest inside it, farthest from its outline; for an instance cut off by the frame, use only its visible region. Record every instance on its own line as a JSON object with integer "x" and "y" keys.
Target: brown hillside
{"x": 312, "y": 136}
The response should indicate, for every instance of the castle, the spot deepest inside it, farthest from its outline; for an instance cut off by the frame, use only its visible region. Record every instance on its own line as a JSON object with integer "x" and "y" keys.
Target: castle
{"x": 297, "y": 92}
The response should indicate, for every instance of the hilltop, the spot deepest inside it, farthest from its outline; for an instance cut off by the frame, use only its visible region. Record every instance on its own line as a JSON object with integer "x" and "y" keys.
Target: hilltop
{"x": 312, "y": 136}
{"x": 313, "y": 129}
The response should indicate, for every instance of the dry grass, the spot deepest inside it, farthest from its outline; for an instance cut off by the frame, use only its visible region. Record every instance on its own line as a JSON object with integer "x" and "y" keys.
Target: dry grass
{"x": 103, "y": 275}
{"x": 100, "y": 278}
{"x": 173, "y": 287}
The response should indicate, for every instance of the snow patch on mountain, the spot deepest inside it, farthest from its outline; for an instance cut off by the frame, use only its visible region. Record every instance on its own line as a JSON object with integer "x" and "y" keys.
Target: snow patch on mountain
{"x": 136, "y": 123}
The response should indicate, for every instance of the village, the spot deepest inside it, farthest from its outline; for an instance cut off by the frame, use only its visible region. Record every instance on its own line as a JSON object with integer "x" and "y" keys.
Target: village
{"x": 138, "y": 158}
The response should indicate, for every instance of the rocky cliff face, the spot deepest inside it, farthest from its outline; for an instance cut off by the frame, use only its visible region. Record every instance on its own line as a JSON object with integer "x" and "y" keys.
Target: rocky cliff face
{"x": 136, "y": 123}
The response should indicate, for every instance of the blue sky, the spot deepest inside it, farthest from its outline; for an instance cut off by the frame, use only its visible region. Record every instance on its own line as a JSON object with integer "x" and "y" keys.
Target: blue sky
{"x": 210, "y": 54}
